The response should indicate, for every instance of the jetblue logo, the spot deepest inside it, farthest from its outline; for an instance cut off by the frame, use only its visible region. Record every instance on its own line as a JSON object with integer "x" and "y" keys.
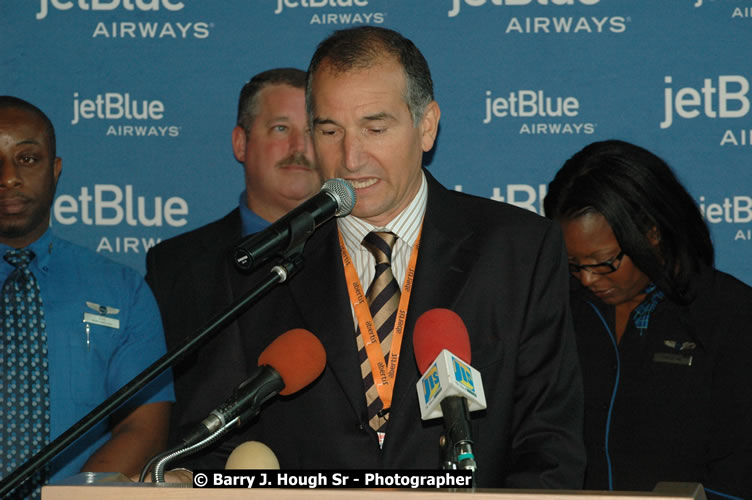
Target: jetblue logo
{"x": 140, "y": 115}
{"x": 463, "y": 375}
{"x": 529, "y": 104}
{"x": 291, "y": 4}
{"x": 105, "y": 5}
{"x": 725, "y": 96}
{"x": 116, "y": 106}
{"x": 456, "y": 4}
{"x": 431, "y": 384}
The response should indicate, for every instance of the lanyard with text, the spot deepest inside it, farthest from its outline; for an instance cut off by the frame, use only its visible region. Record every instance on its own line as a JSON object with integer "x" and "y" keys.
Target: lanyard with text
{"x": 383, "y": 376}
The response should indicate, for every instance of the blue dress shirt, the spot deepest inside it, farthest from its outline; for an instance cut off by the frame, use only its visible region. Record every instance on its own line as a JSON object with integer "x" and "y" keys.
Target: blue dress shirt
{"x": 124, "y": 337}
{"x": 250, "y": 222}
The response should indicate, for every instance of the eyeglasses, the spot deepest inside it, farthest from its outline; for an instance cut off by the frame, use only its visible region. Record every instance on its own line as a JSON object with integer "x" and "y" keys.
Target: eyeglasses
{"x": 606, "y": 267}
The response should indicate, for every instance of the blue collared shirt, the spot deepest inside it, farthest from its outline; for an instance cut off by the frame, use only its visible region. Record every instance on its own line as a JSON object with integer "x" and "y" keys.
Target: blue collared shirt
{"x": 250, "y": 222}
{"x": 86, "y": 369}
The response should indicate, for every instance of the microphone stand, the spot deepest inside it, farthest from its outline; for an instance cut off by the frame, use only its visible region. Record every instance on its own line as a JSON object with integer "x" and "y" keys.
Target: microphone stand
{"x": 458, "y": 437}
{"x": 292, "y": 261}
{"x": 451, "y": 458}
{"x": 161, "y": 460}
{"x": 456, "y": 443}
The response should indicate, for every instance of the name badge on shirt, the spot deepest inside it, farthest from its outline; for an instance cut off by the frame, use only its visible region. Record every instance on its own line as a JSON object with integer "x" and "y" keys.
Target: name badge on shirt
{"x": 102, "y": 318}
{"x": 674, "y": 359}
{"x": 96, "y": 319}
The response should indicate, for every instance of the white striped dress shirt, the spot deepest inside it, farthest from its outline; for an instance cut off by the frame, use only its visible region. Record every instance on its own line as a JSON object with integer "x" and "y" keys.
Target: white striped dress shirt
{"x": 407, "y": 228}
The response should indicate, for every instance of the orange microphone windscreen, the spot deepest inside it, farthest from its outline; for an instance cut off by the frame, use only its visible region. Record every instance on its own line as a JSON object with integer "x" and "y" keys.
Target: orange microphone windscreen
{"x": 436, "y": 330}
{"x": 298, "y": 357}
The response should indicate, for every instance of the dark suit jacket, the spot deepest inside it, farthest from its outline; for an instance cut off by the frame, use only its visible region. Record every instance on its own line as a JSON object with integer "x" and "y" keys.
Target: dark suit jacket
{"x": 502, "y": 269}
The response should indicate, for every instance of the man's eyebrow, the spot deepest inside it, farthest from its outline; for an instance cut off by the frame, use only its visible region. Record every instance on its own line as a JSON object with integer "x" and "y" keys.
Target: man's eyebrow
{"x": 368, "y": 118}
{"x": 324, "y": 121}
{"x": 277, "y": 118}
{"x": 29, "y": 141}
{"x": 378, "y": 116}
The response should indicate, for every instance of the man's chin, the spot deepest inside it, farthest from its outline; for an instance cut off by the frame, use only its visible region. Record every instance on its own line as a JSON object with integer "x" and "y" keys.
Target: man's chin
{"x": 19, "y": 228}
{"x": 11, "y": 230}
{"x": 297, "y": 188}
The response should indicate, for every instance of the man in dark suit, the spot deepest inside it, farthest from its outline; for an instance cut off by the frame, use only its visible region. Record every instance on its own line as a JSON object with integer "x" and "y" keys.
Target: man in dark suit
{"x": 503, "y": 270}
{"x": 272, "y": 142}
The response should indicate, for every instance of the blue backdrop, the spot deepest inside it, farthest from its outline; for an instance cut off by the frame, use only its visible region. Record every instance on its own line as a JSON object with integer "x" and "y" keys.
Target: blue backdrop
{"x": 143, "y": 94}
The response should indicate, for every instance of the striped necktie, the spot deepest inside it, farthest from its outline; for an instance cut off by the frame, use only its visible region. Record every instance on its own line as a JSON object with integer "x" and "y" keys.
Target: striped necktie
{"x": 383, "y": 299}
{"x": 24, "y": 387}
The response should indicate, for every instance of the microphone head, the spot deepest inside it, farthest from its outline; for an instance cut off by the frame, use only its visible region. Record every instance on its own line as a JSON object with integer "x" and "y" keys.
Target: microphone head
{"x": 438, "y": 329}
{"x": 343, "y": 193}
{"x": 252, "y": 455}
{"x": 298, "y": 357}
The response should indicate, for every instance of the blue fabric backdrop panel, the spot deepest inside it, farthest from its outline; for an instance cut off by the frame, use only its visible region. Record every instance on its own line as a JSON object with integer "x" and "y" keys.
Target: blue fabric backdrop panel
{"x": 143, "y": 94}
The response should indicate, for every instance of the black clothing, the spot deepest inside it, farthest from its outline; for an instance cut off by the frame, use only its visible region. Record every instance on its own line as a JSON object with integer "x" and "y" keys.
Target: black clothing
{"x": 500, "y": 268}
{"x": 682, "y": 410}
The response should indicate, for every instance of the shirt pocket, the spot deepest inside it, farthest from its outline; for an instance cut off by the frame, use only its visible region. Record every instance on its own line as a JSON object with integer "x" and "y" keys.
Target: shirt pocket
{"x": 90, "y": 353}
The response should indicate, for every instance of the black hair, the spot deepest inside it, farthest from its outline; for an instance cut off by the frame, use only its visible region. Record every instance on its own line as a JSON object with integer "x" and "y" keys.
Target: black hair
{"x": 8, "y": 101}
{"x": 639, "y": 196}
{"x": 364, "y": 46}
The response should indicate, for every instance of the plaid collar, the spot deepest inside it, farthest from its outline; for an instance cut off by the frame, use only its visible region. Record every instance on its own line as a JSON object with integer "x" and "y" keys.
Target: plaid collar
{"x": 642, "y": 312}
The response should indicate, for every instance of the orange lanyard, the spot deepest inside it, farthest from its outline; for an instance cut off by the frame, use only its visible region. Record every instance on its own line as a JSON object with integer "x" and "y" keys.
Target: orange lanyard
{"x": 383, "y": 374}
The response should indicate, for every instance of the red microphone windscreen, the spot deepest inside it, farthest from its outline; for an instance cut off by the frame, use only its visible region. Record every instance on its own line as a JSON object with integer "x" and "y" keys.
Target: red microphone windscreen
{"x": 438, "y": 329}
{"x": 298, "y": 357}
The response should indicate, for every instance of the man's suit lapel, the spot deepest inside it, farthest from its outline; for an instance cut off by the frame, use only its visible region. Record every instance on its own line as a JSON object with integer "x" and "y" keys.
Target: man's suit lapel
{"x": 320, "y": 294}
{"x": 440, "y": 277}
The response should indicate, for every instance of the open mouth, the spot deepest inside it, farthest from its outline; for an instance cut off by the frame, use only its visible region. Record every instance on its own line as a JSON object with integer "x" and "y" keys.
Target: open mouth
{"x": 360, "y": 184}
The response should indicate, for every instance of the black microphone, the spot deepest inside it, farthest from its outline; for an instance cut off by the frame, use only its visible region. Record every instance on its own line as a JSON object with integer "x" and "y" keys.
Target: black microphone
{"x": 294, "y": 360}
{"x": 336, "y": 199}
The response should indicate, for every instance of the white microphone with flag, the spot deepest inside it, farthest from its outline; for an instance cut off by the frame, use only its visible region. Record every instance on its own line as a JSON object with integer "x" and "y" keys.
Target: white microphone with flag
{"x": 449, "y": 387}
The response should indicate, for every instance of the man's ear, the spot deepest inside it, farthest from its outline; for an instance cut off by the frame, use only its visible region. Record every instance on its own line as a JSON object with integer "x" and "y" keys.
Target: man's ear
{"x": 57, "y": 167}
{"x": 238, "y": 143}
{"x": 654, "y": 237}
{"x": 430, "y": 125}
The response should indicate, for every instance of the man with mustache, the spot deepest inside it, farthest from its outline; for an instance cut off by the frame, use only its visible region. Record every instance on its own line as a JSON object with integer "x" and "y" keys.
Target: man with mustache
{"x": 190, "y": 274}
{"x": 74, "y": 327}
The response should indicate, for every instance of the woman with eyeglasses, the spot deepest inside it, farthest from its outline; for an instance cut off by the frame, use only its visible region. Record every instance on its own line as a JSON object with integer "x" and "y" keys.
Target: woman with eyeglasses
{"x": 665, "y": 339}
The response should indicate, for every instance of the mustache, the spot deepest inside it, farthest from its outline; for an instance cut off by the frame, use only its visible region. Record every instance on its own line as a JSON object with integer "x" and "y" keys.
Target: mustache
{"x": 296, "y": 159}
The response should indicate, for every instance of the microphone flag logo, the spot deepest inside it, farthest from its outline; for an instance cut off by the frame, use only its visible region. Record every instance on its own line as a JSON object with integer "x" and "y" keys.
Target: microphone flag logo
{"x": 449, "y": 376}
{"x": 431, "y": 384}
{"x": 463, "y": 374}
